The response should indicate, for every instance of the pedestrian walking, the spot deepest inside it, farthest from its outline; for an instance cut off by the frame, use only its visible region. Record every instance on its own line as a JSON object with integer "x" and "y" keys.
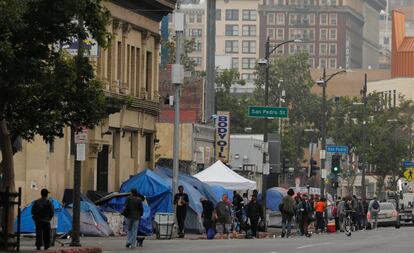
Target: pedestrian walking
{"x": 320, "y": 207}
{"x": 374, "y": 209}
{"x": 305, "y": 215}
{"x": 207, "y": 214}
{"x": 238, "y": 206}
{"x": 288, "y": 211}
{"x": 42, "y": 213}
{"x": 341, "y": 213}
{"x": 132, "y": 212}
{"x": 223, "y": 217}
{"x": 355, "y": 213}
{"x": 254, "y": 212}
{"x": 181, "y": 201}
{"x": 365, "y": 206}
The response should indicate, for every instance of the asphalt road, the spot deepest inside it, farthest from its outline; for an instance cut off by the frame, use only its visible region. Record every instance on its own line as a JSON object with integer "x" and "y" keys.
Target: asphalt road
{"x": 383, "y": 240}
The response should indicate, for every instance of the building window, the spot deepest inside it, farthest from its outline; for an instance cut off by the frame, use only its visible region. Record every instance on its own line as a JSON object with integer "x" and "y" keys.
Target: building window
{"x": 249, "y": 15}
{"x": 308, "y": 34}
{"x": 323, "y": 19}
{"x": 249, "y": 30}
{"x": 249, "y": 47}
{"x": 311, "y": 19}
{"x": 148, "y": 147}
{"x": 248, "y": 63}
{"x": 311, "y": 49}
{"x": 232, "y": 14}
{"x": 232, "y": 30}
{"x": 322, "y": 62}
{"x": 280, "y": 50}
{"x": 323, "y": 49}
{"x": 191, "y": 18}
{"x": 323, "y": 2}
{"x": 332, "y": 49}
{"x": 270, "y": 18}
{"x": 311, "y": 62}
{"x": 323, "y": 34}
{"x": 199, "y": 18}
{"x": 133, "y": 144}
{"x": 271, "y": 33}
{"x": 235, "y": 63}
{"x": 197, "y": 46}
{"x": 332, "y": 63}
{"x": 333, "y": 19}
{"x": 148, "y": 85}
{"x": 196, "y": 32}
{"x": 280, "y": 34}
{"x": 292, "y": 19}
{"x": 196, "y": 60}
{"x": 280, "y": 19}
{"x": 333, "y": 2}
{"x": 247, "y": 76}
{"x": 232, "y": 46}
{"x": 218, "y": 14}
{"x": 332, "y": 34}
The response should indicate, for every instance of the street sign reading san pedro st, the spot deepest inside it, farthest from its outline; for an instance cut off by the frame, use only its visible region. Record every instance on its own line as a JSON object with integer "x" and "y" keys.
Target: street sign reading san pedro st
{"x": 268, "y": 112}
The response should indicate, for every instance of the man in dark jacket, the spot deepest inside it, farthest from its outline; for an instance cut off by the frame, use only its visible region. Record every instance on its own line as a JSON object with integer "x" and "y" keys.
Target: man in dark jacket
{"x": 254, "y": 212}
{"x": 238, "y": 205}
{"x": 133, "y": 211}
{"x": 207, "y": 215}
{"x": 288, "y": 211}
{"x": 181, "y": 201}
{"x": 305, "y": 211}
{"x": 42, "y": 213}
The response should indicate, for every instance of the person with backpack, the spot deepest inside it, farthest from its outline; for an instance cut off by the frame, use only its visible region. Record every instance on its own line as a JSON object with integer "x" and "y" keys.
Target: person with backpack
{"x": 207, "y": 216}
{"x": 305, "y": 215}
{"x": 133, "y": 211}
{"x": 42, "y": 213}
{"x": 287, "y": 208}
{"x": 374, "y": 209}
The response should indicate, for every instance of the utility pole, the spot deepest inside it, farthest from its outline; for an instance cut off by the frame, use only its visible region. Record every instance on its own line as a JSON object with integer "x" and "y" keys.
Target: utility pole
{"x": 75, "y": 242}
{"x": 177, "y": 78}
{"x": 364, "y": 137}
{"x": 323, "y": 133}
{"x": 265, "y": 134}
{"x": 210, "y": 61}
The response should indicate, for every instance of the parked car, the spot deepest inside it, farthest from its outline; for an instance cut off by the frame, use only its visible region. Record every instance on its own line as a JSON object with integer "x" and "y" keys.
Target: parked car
{"x": 388, "y": 216}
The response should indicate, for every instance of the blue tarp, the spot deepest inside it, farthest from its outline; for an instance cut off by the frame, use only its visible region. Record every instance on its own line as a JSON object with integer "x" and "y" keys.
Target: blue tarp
{"x": 220, "y": 190}
{"x": 273, "y": 199}
{"x": 203, "y": 188}
{"x": 63, "y": 217}
{"x": 156, "y": 190}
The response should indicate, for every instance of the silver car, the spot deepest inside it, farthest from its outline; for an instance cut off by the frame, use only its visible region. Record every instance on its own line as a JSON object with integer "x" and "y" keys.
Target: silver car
{"x": 388, "y": 216}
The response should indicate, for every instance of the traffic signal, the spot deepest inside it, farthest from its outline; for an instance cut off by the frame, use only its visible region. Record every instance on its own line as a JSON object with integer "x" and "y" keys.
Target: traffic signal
{"x": 314, "y": 168}
{"x": 336, "y": 164}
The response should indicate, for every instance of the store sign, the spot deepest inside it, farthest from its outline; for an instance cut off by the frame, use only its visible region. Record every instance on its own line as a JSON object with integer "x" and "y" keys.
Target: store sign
{"x": 223, "y": 136}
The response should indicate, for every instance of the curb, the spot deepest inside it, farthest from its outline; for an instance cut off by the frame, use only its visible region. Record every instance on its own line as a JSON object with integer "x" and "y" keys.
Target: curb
{"x": 70, "y": 250}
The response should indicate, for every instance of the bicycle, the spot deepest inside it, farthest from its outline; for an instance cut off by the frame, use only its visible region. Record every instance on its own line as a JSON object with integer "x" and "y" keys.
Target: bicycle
{"x": 348, "y": 223}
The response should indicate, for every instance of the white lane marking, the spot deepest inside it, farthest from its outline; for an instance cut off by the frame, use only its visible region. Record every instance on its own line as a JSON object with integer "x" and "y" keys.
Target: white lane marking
{"x": 313, "y": 245}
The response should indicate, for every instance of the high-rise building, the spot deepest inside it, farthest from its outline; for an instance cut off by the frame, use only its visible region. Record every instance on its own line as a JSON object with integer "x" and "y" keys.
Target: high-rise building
{"x": 336, "y": 33}
{"x": 237, "y": 34}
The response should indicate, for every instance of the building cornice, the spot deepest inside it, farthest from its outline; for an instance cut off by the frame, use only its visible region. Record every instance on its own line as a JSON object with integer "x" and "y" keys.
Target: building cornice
{"x": 137, "y": 104}
{"x": 153, "y": 9}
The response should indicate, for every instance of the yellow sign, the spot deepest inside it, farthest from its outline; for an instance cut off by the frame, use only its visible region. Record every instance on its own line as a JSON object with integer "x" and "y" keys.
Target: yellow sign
{"x": 409, "y": 174}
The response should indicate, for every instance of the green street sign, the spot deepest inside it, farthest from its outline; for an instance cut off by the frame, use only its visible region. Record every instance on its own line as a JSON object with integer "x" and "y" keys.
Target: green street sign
{"x": 268, "y": 112}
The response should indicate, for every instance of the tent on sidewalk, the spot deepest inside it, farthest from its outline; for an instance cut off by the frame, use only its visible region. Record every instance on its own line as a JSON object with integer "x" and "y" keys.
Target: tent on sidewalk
{"x": 64, "y": 219}
{"x": 205, "y": 189}
{"x": 157, "y": 190}
{"x": 274, "y": 197}
{"x": 92, "y": 221}
{"x": 220, "y": 174}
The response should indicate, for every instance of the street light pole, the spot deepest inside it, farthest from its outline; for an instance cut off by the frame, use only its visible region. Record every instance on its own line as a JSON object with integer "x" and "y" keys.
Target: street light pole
{"x": 323, "y": 133}
{"x": 364, "y": 137}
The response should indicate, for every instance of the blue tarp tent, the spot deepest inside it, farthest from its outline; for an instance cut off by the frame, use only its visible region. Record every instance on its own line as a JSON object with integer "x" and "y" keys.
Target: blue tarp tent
{"x": 203, "y": 188}
{"x": 156, "y": 190}
{"x": 220, "y": 190}
{"x": 93, "y": 221}
{"x": 63, "y": 217}
{"x": 273, "y": 198}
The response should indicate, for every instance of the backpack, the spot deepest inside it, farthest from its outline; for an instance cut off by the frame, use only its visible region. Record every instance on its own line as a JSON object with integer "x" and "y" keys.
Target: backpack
{"x": 375, "y": 205}
{"x": 281, "y": 207}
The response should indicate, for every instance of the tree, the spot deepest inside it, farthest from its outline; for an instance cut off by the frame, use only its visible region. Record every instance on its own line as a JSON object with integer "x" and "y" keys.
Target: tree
{"x": 42, "y": 89}
{"x": 189, "y": 47}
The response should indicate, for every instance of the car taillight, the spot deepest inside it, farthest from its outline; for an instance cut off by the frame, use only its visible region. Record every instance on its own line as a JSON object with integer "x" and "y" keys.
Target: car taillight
{"x": 394, "y": 213}
{"x": 369, "y": 215}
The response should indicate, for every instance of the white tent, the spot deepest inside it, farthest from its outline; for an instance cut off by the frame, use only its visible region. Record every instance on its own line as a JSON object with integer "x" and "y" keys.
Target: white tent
{"x": 220, "y": 174}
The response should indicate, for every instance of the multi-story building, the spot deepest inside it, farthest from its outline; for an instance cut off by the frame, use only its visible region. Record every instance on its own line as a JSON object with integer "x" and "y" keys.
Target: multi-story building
{"x": 123, "y": 144}
{"x": 237, "y": 34}
{"x": 335, "y": 33}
